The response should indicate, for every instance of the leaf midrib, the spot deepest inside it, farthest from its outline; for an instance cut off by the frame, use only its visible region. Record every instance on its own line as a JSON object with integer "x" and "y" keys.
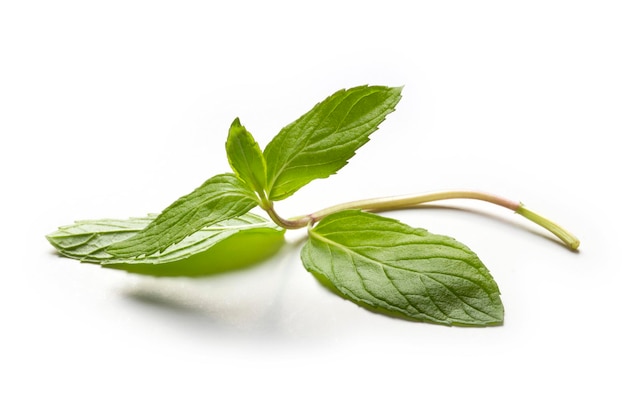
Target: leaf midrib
{"x": 305, "y": 141}
{"x": 383, "y": 266}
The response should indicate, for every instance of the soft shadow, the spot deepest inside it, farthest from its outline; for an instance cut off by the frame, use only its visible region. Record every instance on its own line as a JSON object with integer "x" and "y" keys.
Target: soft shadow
{"x": 175, "y": 308}
{"x": 162, "y": 301}
{"x": 256, "y": 309}
{"x": 239, "y": 251}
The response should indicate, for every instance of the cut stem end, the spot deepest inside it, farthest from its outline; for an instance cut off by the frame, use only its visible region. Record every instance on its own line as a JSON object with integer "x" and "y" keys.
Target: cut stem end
{"x": 566, "y": 237}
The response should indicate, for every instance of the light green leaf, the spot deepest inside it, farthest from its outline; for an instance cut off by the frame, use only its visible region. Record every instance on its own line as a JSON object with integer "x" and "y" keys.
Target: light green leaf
{"x": 245, "y": 157}
{"x": 386, "y": 265}
{"x": 320, "y": 142}
{"x": 220, "y": 198}
{"x": 87, "y": 240}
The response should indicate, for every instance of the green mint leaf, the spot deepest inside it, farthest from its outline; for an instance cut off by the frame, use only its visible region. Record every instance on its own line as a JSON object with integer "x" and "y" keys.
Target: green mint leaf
{"x": 320, "y": 142}
{"x": 222, "y": 197}
{"x": 386, "y": 265}
{"x": 88, "y": 240}
{"x": 245, "y": 157}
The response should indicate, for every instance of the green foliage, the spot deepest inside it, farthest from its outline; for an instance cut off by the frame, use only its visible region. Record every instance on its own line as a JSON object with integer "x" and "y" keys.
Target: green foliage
{"x": 220, "y": 198}
{"x": 245, "y": 157}
{"x": 385, "y": 264}
{"x": 320, "y": 142}
{"x": 88, "y": 240}
{"x": 246, "y": 247}
{"x": 374, "y": 261}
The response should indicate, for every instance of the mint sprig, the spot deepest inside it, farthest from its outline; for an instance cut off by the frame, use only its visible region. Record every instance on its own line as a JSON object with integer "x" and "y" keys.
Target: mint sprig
{"x": 374, "y": 261}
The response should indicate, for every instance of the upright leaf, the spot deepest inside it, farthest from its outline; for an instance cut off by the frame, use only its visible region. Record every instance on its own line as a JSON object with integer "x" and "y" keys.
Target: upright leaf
{"x": 320, "y": 142}
{"x": 399, "y": 270}
{"x": 220, "y": 198}
{"x": 88, "y": 240}
{"x": 245, "y": 157}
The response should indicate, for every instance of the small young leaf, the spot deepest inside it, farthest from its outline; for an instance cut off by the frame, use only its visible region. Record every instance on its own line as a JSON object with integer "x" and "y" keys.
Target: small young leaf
{"x": 87, "y": 240}
{"x": 320, "y": 142}
{"x": 245, "y": 157}
{"x": 385, "y": 264}
{"x": 220, "y": 198}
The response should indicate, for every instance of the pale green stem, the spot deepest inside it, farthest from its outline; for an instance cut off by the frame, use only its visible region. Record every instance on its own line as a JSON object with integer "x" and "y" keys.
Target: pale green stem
{"x": 400, "y": 202}
{"x": 295, "y": 223}
{"x": 569, "y": 239}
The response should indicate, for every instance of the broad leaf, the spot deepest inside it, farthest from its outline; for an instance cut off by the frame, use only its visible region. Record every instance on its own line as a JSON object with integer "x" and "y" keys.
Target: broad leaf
{"x": 87, "y": 240}
{"x": 220, "y": 198}
{"x": 320, "y": 142}
{"x": 245, "y": 157}
{"x": 382, "y": 263}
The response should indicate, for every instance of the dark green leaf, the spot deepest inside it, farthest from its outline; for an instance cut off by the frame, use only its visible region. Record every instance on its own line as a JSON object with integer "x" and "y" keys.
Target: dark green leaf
{"x": 394, "y": 268}
{"x": 220, "y": 198}
{"x": 320, "y": 142}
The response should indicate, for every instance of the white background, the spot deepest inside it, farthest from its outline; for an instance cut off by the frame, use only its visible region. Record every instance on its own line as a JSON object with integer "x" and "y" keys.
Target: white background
{"x": 115, "y": 109}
